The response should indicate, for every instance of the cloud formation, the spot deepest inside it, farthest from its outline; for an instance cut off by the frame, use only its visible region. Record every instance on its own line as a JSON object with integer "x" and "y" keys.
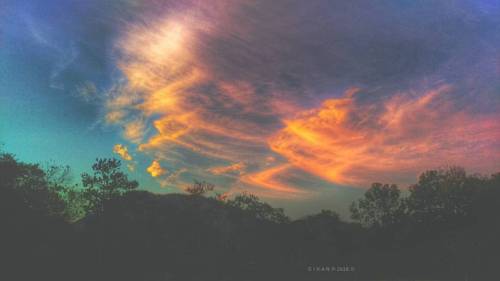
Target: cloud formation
{"x": 122, "y": 151}
{"x": 155, "y": 169}
{"x": 274, "y": 181}
{"x": 237, "y": 168}
{"x": 350, "y": 92}
{"x": 351, "y": 143}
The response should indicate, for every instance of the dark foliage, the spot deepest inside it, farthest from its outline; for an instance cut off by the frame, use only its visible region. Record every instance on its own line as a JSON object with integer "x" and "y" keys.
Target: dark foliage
{"x": 200, "y": 188}
{"x": 444, "y": 228}
{"x": 380, "y": 207}
{"x": 34, "y": 238}
{"x": 260, "y": 210}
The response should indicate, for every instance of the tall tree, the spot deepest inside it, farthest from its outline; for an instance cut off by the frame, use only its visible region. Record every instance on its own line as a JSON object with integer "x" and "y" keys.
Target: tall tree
{"x": 380, "y": 206}
{"x": 444, "y": 195}
{"x": 107, "y": 181}
{"x": 31, "y": 184}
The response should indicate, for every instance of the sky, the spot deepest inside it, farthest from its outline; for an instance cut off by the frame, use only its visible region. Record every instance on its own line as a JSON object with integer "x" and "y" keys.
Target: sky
{"x": 303, "y": 103}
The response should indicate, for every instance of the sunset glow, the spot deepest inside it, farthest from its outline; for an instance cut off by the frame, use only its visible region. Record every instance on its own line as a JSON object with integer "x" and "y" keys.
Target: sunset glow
{"x": 287, "y": 100}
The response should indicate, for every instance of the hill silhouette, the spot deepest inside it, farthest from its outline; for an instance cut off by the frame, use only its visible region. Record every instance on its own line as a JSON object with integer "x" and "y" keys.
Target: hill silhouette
{"x": 106, "y": 229}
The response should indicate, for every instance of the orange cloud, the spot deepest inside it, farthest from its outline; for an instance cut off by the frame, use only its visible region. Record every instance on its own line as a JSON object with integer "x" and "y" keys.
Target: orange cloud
{"x": 164, "y": 77}
{"x": 122, "y": 151}
{"x": 238, "y": 168}
{"x": 348, "y": 142}
{"x": 191, "y": 110}
{"x": 155, "y": 169}
{"x": 271, "y": 180}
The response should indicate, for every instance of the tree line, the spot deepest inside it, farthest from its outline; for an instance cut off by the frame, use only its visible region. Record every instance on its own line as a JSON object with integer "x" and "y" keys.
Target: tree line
{"x": 444, "y": 227}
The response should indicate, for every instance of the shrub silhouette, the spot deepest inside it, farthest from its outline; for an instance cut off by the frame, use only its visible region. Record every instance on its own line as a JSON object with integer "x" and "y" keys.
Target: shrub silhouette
{"x": 200, "y": 188}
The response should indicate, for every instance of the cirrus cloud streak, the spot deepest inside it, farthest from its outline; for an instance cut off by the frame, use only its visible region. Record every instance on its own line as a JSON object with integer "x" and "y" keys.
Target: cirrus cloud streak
{"x": 348, "y": 142}
{"x": 217, "y": 92}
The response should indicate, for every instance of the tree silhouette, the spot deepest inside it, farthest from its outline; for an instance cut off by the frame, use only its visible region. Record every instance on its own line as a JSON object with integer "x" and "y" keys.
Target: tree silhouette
{"x": 380, "y": 206}
{"x": 200, "y": 188}
{"x": 444, "y": 195}
{"x": 446, "y": 228}
{"x": 106, "y": 182}
{"x": 31, "y": 183}
{"x": 261, "y": 210}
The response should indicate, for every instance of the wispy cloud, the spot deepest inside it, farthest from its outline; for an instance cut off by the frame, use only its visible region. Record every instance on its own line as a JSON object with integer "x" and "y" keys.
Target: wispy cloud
{"x": 264, "y": 83}
{"x": 237, "y": 168}
{"x": 348, "y": 142}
